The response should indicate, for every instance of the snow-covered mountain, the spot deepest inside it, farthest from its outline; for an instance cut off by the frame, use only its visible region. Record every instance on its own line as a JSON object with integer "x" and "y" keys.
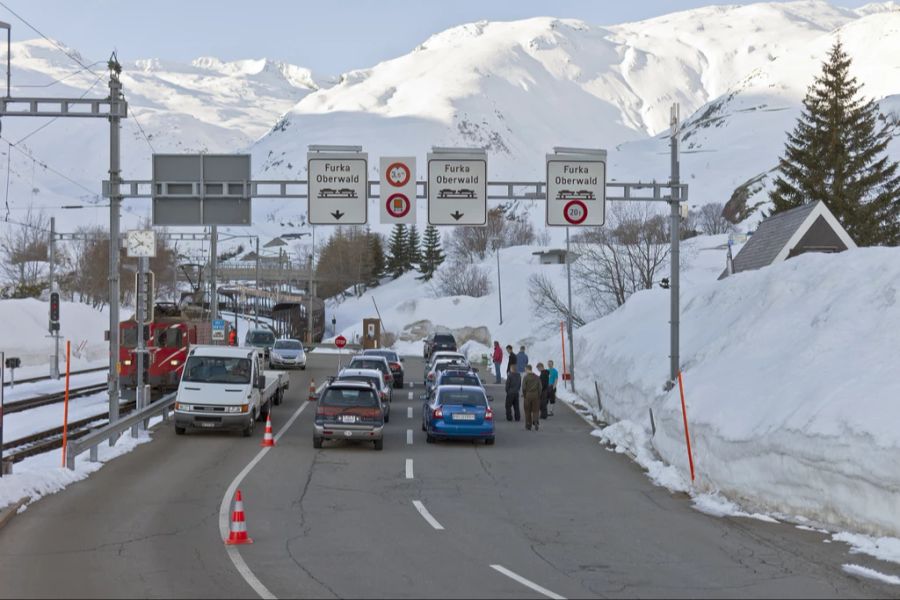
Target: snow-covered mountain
{"x": 515, "y": 88}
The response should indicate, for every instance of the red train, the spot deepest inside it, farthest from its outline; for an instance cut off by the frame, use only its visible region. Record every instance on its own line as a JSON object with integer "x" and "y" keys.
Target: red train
{"x": 172, "y": 334}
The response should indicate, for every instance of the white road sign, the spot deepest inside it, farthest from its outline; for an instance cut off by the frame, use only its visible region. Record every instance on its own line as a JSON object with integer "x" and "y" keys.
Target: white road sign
{"x": 338, "y": 188}
{"x": 398, "y": 189}
{"x": 457, "y": 189}
{"x": 576, "y": 189}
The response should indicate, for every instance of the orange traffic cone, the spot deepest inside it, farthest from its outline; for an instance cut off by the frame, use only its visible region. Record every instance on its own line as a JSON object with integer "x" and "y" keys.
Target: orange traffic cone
{"x": 238, "y": 533}
{"x": 312, "y": 389}
{"x": 268, "y": 440}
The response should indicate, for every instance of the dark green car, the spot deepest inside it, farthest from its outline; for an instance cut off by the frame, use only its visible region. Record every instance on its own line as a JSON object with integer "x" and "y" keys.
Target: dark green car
{"x": 263, "y": 339}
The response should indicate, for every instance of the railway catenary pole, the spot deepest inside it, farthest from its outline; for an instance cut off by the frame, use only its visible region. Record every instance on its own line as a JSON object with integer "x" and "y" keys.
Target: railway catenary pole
{"x": 140, "y": 346}
{"x": 115, "y": 202}
{"x": 675, "y": 235}
{"x": 51, "y": 246}
{"x": 213, "y": 265}
{"x": 256, "y": 298}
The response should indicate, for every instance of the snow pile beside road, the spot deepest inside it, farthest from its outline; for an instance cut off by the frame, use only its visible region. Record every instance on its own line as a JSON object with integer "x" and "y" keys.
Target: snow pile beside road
{"x": 25, "y": 334}
{"x": 790, "y": 380}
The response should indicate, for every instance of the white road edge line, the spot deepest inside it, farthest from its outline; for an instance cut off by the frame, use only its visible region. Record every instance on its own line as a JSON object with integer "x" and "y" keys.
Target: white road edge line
{"x": 261, "y": 590}
{"x": 526, "y": 583}
{"x": 409, "y": 437}
{"x": 409, "y": 468}
{"x": 409, "y": 412}
{"x": 427, "y": 515}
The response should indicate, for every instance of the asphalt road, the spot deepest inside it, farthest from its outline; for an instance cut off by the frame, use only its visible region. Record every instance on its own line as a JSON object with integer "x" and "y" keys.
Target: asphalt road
{"x": 548, "y": 510}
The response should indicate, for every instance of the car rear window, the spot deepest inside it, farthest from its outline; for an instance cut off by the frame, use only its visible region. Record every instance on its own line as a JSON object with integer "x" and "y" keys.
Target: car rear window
{"x": 337, "y": 396}
{"x": 448, "y": 365}
{"x": 370, "y": 380}
{"x": 461, "y": 398}
{"x": 361, "y": 363}
{"x": 460, "y": 380}
{"x": 392, "y": 356}
{"x": 444, "y": 339}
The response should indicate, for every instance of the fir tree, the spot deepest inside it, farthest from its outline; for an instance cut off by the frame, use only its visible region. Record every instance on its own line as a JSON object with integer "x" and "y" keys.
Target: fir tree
{"x": 837, "y": 154}
{"x": 376, "y": 250}
{"x": 432, "y": 255}
{"x": 413, "y": 253}
{"x": 396, "y": 262}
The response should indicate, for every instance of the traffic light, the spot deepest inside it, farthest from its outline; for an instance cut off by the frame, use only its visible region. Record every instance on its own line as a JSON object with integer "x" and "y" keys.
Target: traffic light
{"x": 54, "y": 311}
{"x": 149, "y": 295}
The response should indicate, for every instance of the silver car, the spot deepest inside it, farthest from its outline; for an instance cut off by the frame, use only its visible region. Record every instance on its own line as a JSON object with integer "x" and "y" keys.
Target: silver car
{"x": 287, "y": 354}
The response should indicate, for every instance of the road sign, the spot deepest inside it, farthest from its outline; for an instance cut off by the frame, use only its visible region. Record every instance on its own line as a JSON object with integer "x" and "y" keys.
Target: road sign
{"x": 457, "y": 188}
{"x": 338, "y": 188}
{"x": 201, "y": 189}
{"x": 218, "y": 329}
{"x": 398, "y": 190}
{"x": 576, "y": 188}
{"x": 340, "y": 341}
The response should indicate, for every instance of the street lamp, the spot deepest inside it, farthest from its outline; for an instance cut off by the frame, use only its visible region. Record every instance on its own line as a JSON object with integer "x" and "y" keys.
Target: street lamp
{"x": 495, "y": 242}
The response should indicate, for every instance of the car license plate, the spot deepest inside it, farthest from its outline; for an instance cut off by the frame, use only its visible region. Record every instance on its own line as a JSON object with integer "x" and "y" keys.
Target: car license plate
{"x": 206, "y": 424}
{"x": 348, "y": 418}
{"x": 463, "y": 417}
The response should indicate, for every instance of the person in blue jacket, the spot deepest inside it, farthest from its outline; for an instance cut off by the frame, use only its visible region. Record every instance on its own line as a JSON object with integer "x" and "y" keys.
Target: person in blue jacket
{"x": 551, "y": 391}
{"x": 521, "y": 360}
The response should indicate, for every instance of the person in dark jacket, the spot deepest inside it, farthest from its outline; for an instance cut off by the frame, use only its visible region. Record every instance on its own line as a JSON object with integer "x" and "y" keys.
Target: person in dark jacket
{"x": 513, "y": 385}
{"x": 521, "y": 360}
{"x": 531, "y": 391}
{"x": 544, "y": 376}
{"x": 511, "y": 365}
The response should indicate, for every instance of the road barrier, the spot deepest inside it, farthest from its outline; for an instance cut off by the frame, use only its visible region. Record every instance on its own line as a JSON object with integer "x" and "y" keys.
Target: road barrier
{"x": 112, "y": 431}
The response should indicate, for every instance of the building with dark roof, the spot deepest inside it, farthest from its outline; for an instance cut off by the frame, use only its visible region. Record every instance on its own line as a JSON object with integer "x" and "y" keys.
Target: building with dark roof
{"x": 808, "y": 228}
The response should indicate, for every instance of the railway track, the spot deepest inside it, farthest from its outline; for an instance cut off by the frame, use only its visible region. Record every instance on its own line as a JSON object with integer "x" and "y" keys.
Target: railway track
{"x": 54, "y": 398}
{"x": 51, "y": 439}
{"x": 47, "y": 377}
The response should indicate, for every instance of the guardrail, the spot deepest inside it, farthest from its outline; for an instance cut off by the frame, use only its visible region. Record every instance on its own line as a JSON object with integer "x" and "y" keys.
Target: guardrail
{"x": 112, "y": 431}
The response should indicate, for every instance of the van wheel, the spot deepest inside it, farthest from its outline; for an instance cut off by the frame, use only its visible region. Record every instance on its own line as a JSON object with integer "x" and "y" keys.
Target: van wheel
{"x": 279, "y": 397}
{"x": 248, "y": 430}
{"x": 317, "y": 442}
{"x": 180, "y": 430}
{"x": 264, "y": 411}
{"x": 379, "y": 444}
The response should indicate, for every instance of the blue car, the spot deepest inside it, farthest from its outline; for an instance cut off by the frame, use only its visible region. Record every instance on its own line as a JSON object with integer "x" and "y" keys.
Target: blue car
{"x": 459, "y": 411}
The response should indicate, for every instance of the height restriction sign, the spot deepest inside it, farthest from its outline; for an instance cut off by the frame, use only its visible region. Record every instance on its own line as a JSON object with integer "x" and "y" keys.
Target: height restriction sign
{"x": 398, "y": 190}
{"x": 576, "y": 187}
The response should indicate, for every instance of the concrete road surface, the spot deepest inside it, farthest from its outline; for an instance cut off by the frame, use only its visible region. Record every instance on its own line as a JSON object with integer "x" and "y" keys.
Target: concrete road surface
{"x": 540, "y": 514}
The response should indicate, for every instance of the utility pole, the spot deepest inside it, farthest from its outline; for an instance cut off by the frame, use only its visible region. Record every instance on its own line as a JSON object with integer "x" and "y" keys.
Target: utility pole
{"x": 54, "y": 366}
{"x": 675, "y": 234}
{"x": 569, "y": 313}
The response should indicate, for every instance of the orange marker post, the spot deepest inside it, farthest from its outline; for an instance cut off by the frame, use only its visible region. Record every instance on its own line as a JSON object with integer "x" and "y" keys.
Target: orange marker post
{"x": 66, "y": 406}
{"x": 562, "y": 341}
{"x": 687, "y": 435}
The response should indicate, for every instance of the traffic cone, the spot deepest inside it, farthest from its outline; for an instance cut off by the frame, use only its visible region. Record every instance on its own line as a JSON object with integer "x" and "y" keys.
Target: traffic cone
{"x": 238, "y": 533}
{"x": 268, "y": 440}
{"x": 312, "y": 389}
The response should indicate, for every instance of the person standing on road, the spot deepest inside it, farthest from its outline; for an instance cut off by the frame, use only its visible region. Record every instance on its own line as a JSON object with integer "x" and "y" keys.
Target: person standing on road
{"x": 497, "y": 359}
{"x": 521, "y": 360}
{"x": 513, "y": 385}
{"x": 531, "y": 391}
{"x": 544, "y": 376}
{"x": 511, "y": 365}
{"x": 554, "y": 376}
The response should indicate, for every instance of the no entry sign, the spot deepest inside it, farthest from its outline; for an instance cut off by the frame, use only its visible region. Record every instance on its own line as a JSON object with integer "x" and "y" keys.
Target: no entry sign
{"x": 576, "y": 188}
{"x": 398, "y": 190}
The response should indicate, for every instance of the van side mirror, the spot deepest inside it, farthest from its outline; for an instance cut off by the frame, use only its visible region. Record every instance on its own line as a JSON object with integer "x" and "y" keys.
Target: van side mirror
{"x": 261, "y": 382}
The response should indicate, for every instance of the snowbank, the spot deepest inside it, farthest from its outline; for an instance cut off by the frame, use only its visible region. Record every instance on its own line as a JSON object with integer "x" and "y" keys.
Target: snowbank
{"x": 790, "y": 380}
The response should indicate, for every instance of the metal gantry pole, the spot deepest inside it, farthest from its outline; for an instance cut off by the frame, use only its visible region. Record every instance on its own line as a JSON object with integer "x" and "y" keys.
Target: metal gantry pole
{"x": 213, "y": 265}
{"x": 309, "y": 309}
{"x": 54, "y": 366}
{"x": 569, "y": 313}
{"x": 256, "y": 298}
{"x": 499, "y": 288}
{"x": 675, "y": 233}
{"x": 115, "y": 201}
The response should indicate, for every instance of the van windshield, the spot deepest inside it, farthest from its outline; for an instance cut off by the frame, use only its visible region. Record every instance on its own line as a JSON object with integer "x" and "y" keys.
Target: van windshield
{"x": 259, "y": 338}
{"x": 215, "y": 369}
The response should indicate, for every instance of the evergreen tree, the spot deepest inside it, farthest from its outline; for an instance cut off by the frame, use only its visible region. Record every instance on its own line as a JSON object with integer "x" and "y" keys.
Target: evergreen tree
{"x": 413, "y": 253}
{"x": 396, "y": 262}
{"x": 376, "y": 250}
{"x": 837, "y": 154}
{"x": 432, "y": 255}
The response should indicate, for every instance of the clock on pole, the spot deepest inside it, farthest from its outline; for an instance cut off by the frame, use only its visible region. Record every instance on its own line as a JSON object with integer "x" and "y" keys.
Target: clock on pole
{"x": 141, "y": 243}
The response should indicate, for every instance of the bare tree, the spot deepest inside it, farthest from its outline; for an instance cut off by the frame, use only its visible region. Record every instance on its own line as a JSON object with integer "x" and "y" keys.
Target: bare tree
{"x": 547, "y": 303}
{"x": 711, "y": 221}
{"x": 505, "y": 227}
{"x": 24, "y": 253}
{"x": 461, "y": 279}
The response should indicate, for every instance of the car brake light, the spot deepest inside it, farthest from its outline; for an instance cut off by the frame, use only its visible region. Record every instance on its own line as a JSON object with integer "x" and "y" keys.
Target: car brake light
{"x": 431, "y": 376}
{"x": 438, "y": 413}
{"x": 489, "y": 415}
{"x": 395, "y": 366}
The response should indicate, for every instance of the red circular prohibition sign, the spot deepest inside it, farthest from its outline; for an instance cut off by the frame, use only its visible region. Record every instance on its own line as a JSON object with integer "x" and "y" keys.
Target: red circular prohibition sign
{"x": 406, "y": 174}
{"x": 574, "y": 220}
{"x": 340, "y": 341}
{"x": 397, "y": 205}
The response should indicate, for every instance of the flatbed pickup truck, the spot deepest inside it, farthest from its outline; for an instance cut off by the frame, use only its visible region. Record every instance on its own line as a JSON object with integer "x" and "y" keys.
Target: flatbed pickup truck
{"x": 225, "y": 387}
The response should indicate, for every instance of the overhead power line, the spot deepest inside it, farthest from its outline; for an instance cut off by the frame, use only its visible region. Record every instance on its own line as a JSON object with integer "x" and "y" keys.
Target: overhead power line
{"x": 46, "y": 166}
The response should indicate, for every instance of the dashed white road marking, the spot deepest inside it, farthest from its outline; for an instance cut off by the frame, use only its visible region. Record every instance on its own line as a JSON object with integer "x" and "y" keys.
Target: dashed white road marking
{"x": 427, "y": 515}
{"x": 410, "y": 396}
{"x": 529, "y": 584}
{"x": 409, "y": 468}
{"x": 409, "y": 437}
{"x": 409, "y": 412}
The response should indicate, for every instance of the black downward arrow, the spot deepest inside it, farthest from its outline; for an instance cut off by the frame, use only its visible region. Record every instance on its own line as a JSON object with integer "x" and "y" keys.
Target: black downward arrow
{"x": 457, "y": 215}
{"x": 337, "y": 215}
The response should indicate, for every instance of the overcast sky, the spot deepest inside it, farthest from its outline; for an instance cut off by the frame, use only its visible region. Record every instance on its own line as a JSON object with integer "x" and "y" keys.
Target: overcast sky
{"x": 330, "y": 37}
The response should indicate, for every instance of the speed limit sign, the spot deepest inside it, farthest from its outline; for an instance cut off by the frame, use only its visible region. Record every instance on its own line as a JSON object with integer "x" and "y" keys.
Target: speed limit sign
{"x": 576, "y": 187}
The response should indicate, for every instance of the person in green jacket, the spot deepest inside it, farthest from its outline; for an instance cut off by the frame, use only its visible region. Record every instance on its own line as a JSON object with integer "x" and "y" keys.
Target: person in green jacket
{"x": 531, "y": 391}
